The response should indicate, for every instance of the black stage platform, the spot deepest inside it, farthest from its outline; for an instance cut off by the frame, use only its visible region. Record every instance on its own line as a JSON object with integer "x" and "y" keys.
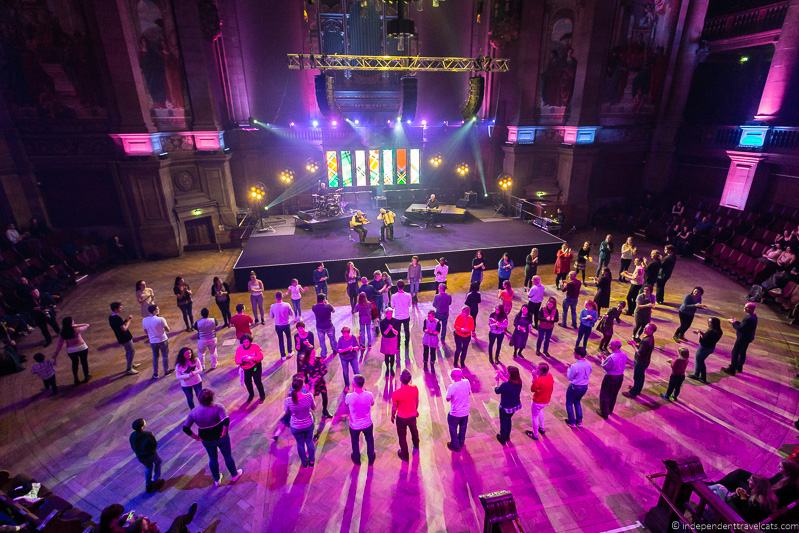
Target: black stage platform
{"x": 279, "y": 258}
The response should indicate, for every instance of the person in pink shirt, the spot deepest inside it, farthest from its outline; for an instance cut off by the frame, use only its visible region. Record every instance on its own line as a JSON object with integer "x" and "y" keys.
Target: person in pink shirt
{"x": 542, "y": 386}
{"x": 248, "y": 358}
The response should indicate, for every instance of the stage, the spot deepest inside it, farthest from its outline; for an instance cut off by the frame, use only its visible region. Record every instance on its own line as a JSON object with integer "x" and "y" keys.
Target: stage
{"x": 279, "y": 258}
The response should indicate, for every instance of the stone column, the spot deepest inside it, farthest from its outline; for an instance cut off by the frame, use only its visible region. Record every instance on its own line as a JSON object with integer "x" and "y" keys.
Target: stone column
{"x": 784, "y": 69}
{"x": 681, "y": 71}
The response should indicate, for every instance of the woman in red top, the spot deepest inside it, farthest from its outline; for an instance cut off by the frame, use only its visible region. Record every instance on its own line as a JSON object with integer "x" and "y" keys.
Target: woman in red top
{"x": 249, "y": 357}
{"x": 506, "y": 295}
{"x": 563, "y": 263}
{"x": 547, "y": 316}
{"x": 542, "y": 393}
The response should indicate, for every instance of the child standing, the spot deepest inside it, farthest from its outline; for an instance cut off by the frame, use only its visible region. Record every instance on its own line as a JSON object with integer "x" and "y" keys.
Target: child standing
{"x": 296, "y": 290}
{"x": 678, "y": 366}
{"x": 45, "y": 369}
{"x": 605, "y": 325}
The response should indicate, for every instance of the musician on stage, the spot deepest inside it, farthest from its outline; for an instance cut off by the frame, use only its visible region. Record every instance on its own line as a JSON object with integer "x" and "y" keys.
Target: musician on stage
{"x": 432, "y": 206}
{"x": 322, "y": 189}
{"x": 357, "y": 223}
{"x": 432, "y": 203}
{"x": 387, "y": 217}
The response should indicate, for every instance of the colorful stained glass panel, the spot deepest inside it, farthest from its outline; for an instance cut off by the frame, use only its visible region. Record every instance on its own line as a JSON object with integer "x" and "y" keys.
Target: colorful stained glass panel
{"x": 388, "y": 167}
{"x": 374, "y": 168}
{"x": 416, "y": 158}
{"x": 332, "y": 168}
{"x": 346, "y": 168}
{"x": 360, "y": 168}
{"x": 402, "y": 167}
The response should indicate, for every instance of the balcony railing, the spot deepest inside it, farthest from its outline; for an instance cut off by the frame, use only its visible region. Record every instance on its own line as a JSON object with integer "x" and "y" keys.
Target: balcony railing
{"x": 749, "y": 22}
{"x": 726, "y": 137}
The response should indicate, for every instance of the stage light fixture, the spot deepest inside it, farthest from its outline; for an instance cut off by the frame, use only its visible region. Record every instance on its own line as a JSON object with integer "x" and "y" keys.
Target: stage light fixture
{"x": 257, "y": 193}
{"x": 399, "y": 119}
{"x": 286, "y": 176}
{"x": 424, "y": 123}
{"x": 315, "y": 123}
{"x": 357, "y": 121}
{"x": 311, "y": 166}
{"x": 291, "y": 124}
{"x": 408, "y": 121}
{"x": 505, "y": 182}
{"x": 436, "y": 161}
{"x": 462, "y": 169}
{"x": 334, "y": 123}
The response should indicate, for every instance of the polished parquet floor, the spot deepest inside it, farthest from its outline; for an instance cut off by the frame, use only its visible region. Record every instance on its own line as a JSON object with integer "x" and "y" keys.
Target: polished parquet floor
{"x": 592, "y": 479}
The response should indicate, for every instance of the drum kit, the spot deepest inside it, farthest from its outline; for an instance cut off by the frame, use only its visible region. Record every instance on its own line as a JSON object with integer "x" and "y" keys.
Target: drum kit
{"x": 328, "y": 205}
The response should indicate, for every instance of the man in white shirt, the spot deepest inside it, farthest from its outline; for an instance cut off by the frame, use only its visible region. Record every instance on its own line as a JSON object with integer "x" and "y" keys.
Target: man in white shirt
{"x": 282, "y": 313}
{"x": 157, "y": 328}
{"x": 459, "y": 398}
{"x": 578, "y": 374}
{"x": 401, "y": 303}
{"x": 534, "y": 298}
{"x": 441, "y": 271}
{"x": 206, "y": 337}
{"x": 360, "y": 402}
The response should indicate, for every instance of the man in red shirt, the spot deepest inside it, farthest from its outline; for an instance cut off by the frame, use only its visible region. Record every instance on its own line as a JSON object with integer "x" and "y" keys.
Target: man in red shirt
{"x": 542, "y": 393}
{"x": 241, "y": 322}
{"x": 404, "y": 411}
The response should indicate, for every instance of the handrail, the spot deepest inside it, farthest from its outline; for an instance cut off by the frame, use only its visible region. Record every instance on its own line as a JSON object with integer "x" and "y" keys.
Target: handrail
{"x": 749, "y": 21}
{"x": 650, "y": 478}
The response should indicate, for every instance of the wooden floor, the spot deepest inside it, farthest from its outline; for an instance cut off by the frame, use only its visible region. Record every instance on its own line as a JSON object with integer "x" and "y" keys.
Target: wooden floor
{"x": 590, "y": 479}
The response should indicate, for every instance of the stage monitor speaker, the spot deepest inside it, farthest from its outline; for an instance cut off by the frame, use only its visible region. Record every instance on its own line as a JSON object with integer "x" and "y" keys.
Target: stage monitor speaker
{"x": 325, "y": 98}
{"x": 474, "y": 98}
{"x": 408, "y": 94}
{"x": 371, "y": 241}
{"x": 462, "y": 203}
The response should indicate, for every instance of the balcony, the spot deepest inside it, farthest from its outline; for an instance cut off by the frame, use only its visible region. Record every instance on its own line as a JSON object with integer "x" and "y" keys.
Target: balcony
{"x": 742, "y": 29}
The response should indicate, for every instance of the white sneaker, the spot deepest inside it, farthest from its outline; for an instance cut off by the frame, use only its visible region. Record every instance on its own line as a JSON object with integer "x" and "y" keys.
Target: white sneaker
{"x": 218, "y": 482}
{"x": 238, "y": 475}
{"x": 131, "y": 372}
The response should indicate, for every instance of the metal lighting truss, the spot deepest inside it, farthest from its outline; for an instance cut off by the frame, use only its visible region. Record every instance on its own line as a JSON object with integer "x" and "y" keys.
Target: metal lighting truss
{"x": 398, "y": 63}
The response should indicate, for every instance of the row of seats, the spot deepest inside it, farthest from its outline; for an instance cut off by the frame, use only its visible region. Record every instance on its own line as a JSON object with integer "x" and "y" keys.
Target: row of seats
{"x": 49, "y": 513}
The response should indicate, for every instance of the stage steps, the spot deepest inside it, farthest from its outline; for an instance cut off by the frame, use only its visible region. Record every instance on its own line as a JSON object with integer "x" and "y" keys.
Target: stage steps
{"x": 399, "y": 270}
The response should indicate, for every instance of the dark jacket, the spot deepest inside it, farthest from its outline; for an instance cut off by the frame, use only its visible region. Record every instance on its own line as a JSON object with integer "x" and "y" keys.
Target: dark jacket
{"x": 745, "y": 329}
{"x": 144, "y": 445}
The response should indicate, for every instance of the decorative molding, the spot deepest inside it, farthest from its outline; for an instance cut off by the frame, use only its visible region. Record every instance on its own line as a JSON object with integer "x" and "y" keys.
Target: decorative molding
{"x": 148, "y": 144}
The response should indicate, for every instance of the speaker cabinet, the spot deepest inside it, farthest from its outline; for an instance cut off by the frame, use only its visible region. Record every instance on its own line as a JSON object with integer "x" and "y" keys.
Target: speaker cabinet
{"x": 323, "y": 87}
{"x": 474, "y": 98}
{"x": 408, "y": 98}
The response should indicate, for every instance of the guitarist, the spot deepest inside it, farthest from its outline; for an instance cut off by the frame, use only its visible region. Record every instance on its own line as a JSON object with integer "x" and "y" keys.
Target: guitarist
{"x": 357, "y": 223}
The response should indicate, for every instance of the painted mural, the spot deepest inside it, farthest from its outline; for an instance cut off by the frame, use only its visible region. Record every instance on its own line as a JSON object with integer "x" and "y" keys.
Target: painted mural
{"x": 159, "y": 59}
{"x": 637, "y": 63}
{"x": 557, "y": 79}
{"x": 47, "y": 66}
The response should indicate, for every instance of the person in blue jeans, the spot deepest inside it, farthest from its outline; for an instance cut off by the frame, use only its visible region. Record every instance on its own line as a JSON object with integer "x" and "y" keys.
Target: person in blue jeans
{"x": 504, "y": 270}
{"x": 213, "y": 425}
{"x": 364, "y": 310}
{"x": 578, "y": 374}
{"x": 588, "y": 317}
{"x": 300, "y": 406}
{"x": 145, "y": 447}
{"x": 572, "y": 290}
{"x": 323, "y": 311}
{"x": 348, "y": 349}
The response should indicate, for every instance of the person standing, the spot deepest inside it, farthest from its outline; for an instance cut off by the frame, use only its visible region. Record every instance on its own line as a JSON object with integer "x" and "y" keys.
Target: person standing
{"x": 77, "y": 349}
{"x": 145, "y": 296}
{"x": 530, "y": 267}
{"x": 351, "y": 277}
{"x": 687, "y": 311}
{"x": 156, "y": 328}
{"x": 547, "y": 317}
{"x": 522, "y": 324}
{"x": 578, "y": 373}
{"x": 220, "y": 291}
{"x": 678, "y": 366}
{"x": 401, "y": 303}
{"x": 459, "y": 398}
{"x": 636, "y": 281}
{"x": 121, "y": 328}
{"x": 184, "y": 302}
{"x": 666, "y": 270}
{"x": 303, "y": 343}
{"x": 441, "y": 303}
{"x": 535, "y": 296}
{"x": 364, "y": 310}
{"x": 504, "y": 270}
{"x": 256, "y": 288}
{"x": 248, "y": 358}
{"x": 643, "y": 356}
{"x": 588, "y": 317}
{"x": 300, "y": 406}
{"x": 707, "y": 345}
{"x": 542, "y": 386}
{"x": 572, "y": 290}
{"x": 320, "y": 275}
{"x": 323, "y": 312}
{"x": 404, "y": 412}
{"x": 213, "y": 427}
{"x": 473, "y": 299}
{"x": 605, "y": 252}
{"x": 380, "y": 287}
{"x": 603, "y": 288}
{"x": 282, "y": 314}
{"x": 605, "y": 325}
{"x": 613, "y": 365}
{"x": 44, "y": 369}
{"x": 145, "y": 447}
{"x": 497, "y": 328}
{"x": 389, "y": 344}
{"x": 583, "y": 257}
{"x": 463, "y": 330}
{"x": 652, "y": 269}
{"x": 315, "y": 370}
{"x": 441, "y": 271}
{"x": 744, "y": 335}
{"x": 295, "y": 295}
{"x": 563, "y": 263}
{"x": 478, "y": 268}
{"x": 628, "y": 251}
{"x": 387, "y": 217}
{"x": 506, "y": 297}
{"x": 241, "y": 322}
{"x": 188, "y": 371}
{"x": 432, "y": 330}
{"x": 348, "y": 349}
{"x": 414, "y": 279}
{"x": 509, "y": 388}
{"x": 206, "y": 337}
{"x": 644, "y": 303}
{"x": 359, "y": 403}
